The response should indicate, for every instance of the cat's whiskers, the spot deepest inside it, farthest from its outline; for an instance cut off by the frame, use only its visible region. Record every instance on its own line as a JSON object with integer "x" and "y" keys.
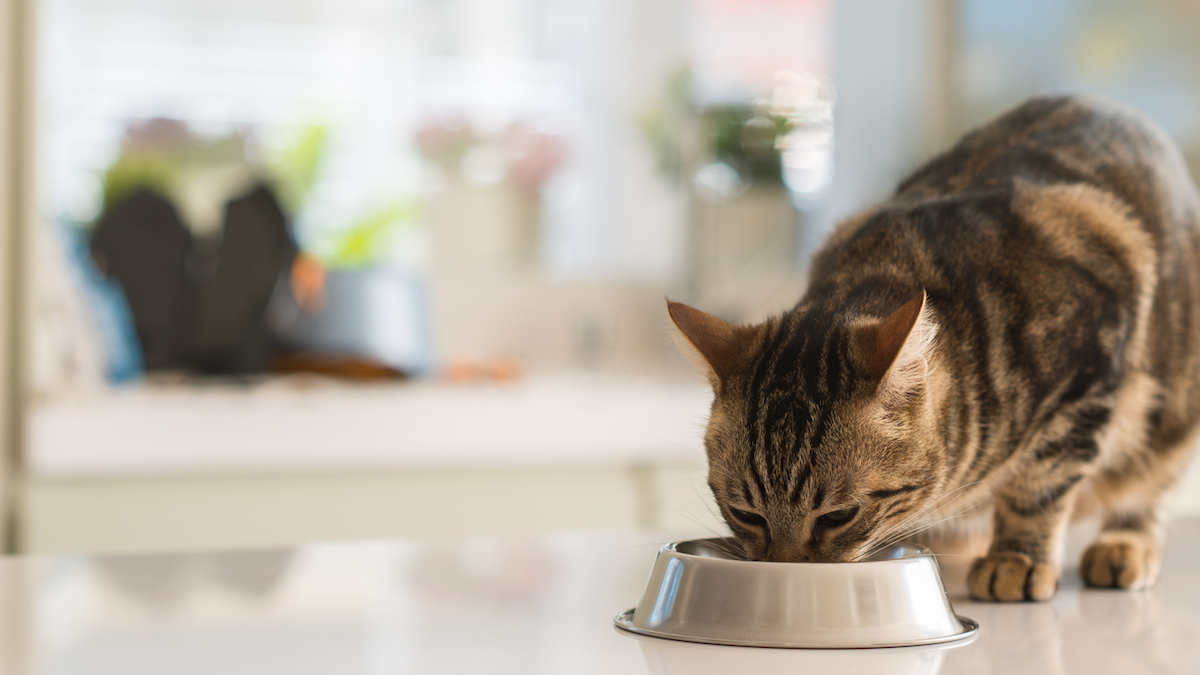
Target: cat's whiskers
{"x": 926, "y": 526}
{"x": 887, "y": 535}
{"x": 708, "y": 505}
{"x": 937, "y": 503}
{"x": 901, "y": 531}
{"x": 900, "y": 536}
{"x": 691, "y": 449}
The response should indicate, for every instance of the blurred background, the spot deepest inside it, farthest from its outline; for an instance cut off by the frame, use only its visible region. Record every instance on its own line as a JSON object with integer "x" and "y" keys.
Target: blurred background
{"x": 278, "y": 271}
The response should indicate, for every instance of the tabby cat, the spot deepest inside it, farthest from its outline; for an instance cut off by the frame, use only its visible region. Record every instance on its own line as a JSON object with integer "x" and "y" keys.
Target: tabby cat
{"x": 1016, "y": 330}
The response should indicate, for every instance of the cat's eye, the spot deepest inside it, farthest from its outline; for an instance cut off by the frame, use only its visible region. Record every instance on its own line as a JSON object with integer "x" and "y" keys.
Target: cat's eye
{"x": 748, "y": 518}
{"x": 836, "y": 518}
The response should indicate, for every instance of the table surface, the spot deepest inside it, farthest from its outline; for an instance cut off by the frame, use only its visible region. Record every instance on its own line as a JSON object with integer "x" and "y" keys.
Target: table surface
{"x": 537, "y": 605}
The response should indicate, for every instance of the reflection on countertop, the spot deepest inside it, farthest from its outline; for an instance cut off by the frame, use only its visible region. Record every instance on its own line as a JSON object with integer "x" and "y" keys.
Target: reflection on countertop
{"x": 535, "y": 605}
{"x": 666, "y": 657}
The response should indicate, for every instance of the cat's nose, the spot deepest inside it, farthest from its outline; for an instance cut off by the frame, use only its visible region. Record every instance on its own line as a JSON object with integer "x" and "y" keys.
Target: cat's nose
{"x": 790, "y": 553}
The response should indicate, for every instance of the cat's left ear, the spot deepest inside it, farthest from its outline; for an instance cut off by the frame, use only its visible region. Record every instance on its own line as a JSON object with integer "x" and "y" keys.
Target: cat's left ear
{"x": 715, "y": 347}
{"x": 896, "y": 350}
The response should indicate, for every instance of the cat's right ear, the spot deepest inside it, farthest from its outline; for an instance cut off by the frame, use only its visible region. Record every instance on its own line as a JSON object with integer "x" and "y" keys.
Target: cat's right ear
{"x": 895, "y": 350}
{"x": 717, "y": 348}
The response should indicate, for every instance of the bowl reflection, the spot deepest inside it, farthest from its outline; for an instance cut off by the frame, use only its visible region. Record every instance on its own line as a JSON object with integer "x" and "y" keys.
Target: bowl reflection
{"x": 669, "y": 657}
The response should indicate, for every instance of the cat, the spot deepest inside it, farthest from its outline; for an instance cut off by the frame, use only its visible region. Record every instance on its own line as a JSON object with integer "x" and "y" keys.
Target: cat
{"x": 1016, "y": 329}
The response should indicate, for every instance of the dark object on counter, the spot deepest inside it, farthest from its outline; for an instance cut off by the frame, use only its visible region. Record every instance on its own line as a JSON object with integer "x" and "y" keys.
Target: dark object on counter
{"x": 256, "y": 251}
{"x": 142, "y": 244}
{"x": 228, "y": 309}
{"x": 346, "y": 367}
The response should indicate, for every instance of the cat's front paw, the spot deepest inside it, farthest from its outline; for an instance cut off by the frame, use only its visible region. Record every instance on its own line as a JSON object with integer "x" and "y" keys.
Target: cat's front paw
{"x": 1128, "y": 560}
{"x": 1009, "y": 576}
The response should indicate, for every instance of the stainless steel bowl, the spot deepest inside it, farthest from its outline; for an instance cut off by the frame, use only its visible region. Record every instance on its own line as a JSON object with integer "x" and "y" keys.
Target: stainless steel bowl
{"x": 701, "y": 591}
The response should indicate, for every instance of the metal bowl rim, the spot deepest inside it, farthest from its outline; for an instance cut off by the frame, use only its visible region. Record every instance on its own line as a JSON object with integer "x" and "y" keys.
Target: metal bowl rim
{"x": 624, "y": 621}
{"x": 673, "y": 548}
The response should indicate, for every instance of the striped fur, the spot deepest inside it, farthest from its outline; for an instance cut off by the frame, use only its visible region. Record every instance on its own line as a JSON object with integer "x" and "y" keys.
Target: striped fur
{"x": 1014, "y": 331}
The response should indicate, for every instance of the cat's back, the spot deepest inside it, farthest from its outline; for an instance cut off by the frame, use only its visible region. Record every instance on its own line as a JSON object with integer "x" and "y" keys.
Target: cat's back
{"x": 1082, "y": 178}
{"x": 1062, "y": 228}
{"x": 1066, "y": 140}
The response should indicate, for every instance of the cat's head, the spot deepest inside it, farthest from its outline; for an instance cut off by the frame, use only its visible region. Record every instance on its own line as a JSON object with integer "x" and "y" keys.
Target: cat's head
{"x": 823, "y": 441}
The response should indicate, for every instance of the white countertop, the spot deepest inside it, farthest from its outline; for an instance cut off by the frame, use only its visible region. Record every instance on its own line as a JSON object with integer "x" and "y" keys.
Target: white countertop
{"x": 524, "y": 606}
{"x": 287, "y": 426}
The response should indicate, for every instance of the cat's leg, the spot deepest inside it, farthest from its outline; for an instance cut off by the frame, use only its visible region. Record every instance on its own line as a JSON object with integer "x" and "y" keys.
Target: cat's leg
{"x": 1132, "y": 497}
{"x": 1024, "y": 559}
{"x": 1031, "y": 510}
{"x": 1127, "y": 552}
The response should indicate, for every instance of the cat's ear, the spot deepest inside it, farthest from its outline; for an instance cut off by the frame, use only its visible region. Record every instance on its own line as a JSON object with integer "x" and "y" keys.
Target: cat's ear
{"x": 717, "y": 348}
{"x": 896, "y": 349}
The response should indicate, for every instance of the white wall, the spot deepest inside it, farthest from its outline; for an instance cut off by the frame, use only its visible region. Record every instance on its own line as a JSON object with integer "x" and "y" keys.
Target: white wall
{"x": 881, "y": 70}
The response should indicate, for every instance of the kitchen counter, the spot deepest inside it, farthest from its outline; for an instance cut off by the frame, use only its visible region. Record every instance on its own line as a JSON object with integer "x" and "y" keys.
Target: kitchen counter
{"x": 286, "y": 461}
{"x": 536, "y": 605}
{"x": 566, "y": 419}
